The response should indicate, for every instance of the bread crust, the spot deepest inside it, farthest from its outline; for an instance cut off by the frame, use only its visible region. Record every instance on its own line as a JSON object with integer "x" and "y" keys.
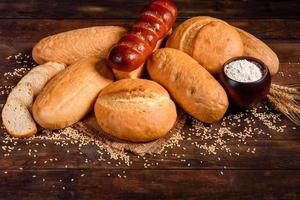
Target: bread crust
{"x": 69, "y": 96}
{"x": 184, "y": 35}
{"x": 256, "y": 48}
{"x": 215, "y": 43}
{"x": 137, "y": 110}
{"x": 190, "y": 85}
{"x": 70, "y": 46}
{"x": 23, "y": 94}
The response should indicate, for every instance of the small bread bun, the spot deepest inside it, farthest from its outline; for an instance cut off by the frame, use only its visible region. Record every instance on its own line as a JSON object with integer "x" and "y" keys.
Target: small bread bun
{"x": 137, "y": 110}
{"x": 215, "y": 43}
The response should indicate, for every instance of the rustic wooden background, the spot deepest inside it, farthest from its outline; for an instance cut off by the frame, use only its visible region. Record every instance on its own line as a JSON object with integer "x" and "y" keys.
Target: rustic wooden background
{"x": 272, "y": 173}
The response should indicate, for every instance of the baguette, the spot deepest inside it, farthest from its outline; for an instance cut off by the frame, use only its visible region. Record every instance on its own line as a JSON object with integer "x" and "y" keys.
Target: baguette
{"x": 69, "y": 96}
{"x": 190, "y": 85}
{"x": 184, "y": 36}
{"x": 70, "y": 46}
{"x": 16, "y": 114}
{"x": 137, "y": 110}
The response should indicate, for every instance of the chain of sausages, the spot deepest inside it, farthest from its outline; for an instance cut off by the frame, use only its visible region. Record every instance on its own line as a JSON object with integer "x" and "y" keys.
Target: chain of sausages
{"x": 155, "y": 21}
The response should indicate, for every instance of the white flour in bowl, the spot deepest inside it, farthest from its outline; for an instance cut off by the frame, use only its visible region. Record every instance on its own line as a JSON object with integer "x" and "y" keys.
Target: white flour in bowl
{"x": 243, "y": 71}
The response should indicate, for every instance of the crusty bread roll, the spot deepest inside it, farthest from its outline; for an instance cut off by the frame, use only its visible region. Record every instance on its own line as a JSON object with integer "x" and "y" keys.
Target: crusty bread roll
{"x": 70, "y": 46}
{"x": 70, "y": 95}
{"x": 191, "y": 85}
{"x": 137, "y": 110}
{"x": 16, "y": 114}
{"x": 184, "y": 36}
{"x": 215, "y": 43}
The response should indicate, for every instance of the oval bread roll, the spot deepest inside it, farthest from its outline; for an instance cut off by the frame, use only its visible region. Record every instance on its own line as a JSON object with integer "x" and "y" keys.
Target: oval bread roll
{"x": 137, "y": 110}
{"x": 191, "y": 86}
{"x": 70, "y": 46}
{"x": 70, "y": 95}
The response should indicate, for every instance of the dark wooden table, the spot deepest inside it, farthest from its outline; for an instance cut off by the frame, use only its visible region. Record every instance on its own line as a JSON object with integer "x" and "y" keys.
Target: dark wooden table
{"x": 272, "y": 172}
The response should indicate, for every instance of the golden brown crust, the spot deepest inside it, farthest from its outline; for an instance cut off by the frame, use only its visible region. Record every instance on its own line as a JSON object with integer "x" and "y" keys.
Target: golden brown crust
{"x": 190, "y": 85}
{"x": 256, "y": 48}
{"x": 70, "y": 46}
{"x": 71, "y": 94}
{"x": 215, "y": 43}
{"x": 184, "y": 35}
{"x": 136, "y": 110}
{"x": 137, "y": 73}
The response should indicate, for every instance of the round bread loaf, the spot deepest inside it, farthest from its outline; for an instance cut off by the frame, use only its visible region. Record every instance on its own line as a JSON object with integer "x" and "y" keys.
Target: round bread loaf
{"x": 216, "y": 43}
{"x": 137, "y": 110}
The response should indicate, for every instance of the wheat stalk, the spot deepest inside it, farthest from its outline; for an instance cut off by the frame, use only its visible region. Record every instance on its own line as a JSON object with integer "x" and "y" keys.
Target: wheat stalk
{"x": 286, "y": 100}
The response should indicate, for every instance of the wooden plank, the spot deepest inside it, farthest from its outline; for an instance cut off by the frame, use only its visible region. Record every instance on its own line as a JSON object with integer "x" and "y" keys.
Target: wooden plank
{"x": 284, "y": 29}
{"x": 20, "y": 35}
{"x": 269, "y": 154}
{"x": 109, "y": 9}
{"x": 150, "y": 184}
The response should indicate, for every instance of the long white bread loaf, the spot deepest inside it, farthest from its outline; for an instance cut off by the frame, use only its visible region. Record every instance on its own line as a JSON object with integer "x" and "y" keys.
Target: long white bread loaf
{"x": 16, "y": 115}
{"x": 70, "y": 95}
{"x": 70, "y": 46}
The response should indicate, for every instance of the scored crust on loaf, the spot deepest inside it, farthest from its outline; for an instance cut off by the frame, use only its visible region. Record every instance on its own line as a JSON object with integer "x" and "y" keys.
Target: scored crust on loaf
{"x": 137, "y": 73}
{"x": 137, "y": 110}
{"x": 22, "y": 92}
{"x": 183, "y": 36}
{"x": 214, "y": 44}
{"x": 17, "y": 119}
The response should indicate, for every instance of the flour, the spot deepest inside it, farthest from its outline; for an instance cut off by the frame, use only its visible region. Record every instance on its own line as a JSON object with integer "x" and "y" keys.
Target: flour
{"x": 243, "y": 71}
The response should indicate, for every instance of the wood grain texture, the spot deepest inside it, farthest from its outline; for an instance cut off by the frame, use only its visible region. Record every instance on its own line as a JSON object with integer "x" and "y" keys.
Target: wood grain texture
{"x": 124, "y": 9}
{"x": 150, "y": 184}
{"x": 272, "y": 172}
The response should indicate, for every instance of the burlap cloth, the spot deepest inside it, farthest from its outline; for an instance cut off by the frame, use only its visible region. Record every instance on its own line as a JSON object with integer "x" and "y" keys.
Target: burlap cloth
{"x": 89, "y": 126}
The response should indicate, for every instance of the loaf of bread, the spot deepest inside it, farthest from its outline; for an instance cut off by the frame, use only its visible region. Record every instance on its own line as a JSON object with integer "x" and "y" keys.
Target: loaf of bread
{"x": 256, "y": 48}
{"x": 137, "y": 110}
{"x": 137, "y": 73}
{"x": 70, "y": 95}
{"x": 190, "y": 85}
{"x": 16, "y": 114}
{"x": 215, "y": 43}
{"x": 70, "y": 46}
{"x": 187, "y": 38}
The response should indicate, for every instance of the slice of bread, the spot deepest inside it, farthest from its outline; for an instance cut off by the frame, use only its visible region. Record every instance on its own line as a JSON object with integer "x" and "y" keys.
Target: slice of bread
{"x": 40, "y": 75}
{"x": 24, "y": 93}
{"x": 16, "y": 114}
{"x": 17, "y": 119}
